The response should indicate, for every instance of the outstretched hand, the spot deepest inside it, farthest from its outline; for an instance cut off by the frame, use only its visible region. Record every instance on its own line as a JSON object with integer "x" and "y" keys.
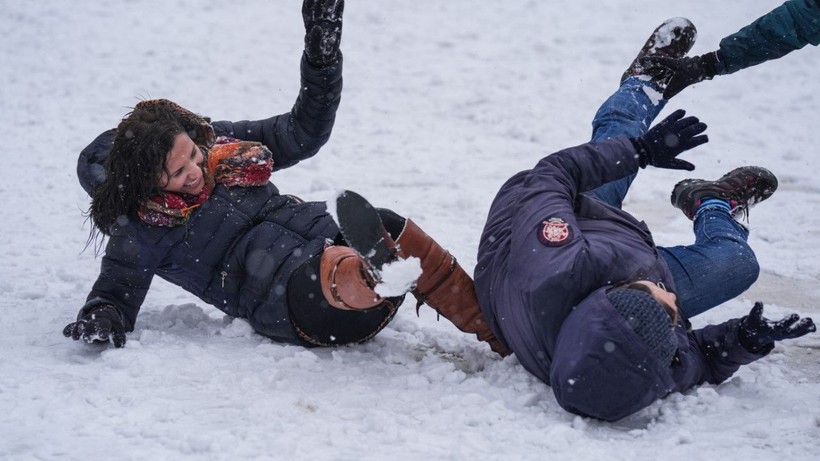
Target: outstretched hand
{"x": 661, "y": 145}
{"x": 99, "y": 325}
{"x": 756, "y": 332}
{"x": 323, "y": 30}
{"x": 686, "y": 71}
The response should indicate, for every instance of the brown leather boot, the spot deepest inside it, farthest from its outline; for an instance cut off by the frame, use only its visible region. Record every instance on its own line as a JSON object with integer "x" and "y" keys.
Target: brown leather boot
{"x": 345, "y": 281}
{"x": 445, "y": 286}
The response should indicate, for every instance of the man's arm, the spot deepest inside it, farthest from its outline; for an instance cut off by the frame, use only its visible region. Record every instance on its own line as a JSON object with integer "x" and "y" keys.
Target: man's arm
{"x": 716, "y": 352}
{"x": 789, "y": 27}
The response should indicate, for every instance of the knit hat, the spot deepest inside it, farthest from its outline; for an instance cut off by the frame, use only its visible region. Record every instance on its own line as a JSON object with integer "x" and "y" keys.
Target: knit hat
{"x": 649, "y": 319}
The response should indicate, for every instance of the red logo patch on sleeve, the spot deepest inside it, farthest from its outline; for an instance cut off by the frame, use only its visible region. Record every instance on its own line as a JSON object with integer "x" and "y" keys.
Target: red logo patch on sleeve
{"x": 556, "y": 232}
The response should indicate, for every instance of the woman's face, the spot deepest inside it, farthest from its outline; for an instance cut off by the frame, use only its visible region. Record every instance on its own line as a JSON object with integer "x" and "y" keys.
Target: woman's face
{"x": 183, "y": 167}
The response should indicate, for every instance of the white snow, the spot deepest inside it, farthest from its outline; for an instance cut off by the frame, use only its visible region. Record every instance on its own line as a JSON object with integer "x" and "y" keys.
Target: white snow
{"x": 331, "y": 204}
{"x": 399, "y": 276}
{"x": 666, "y": 33}
{"x": 443, "y": 101}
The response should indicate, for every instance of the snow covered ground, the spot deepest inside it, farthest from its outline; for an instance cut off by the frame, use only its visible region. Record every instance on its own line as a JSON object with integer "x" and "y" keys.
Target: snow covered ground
{"x": 442, "y": 102}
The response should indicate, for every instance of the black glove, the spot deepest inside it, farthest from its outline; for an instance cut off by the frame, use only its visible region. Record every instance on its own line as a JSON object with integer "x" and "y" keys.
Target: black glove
{"x": 756, "y": 332}
{"x": 685, "y": 71}
{"x": 323, "y": 30}
{"x": 101, "y": 324}
{"x": 662, "y": 143}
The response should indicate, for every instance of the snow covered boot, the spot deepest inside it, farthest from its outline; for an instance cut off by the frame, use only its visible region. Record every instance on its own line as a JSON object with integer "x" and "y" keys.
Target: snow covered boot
{"x": 445, "y": 286}
{"x": 347, "y": 283}
{"x": 672, "y": 39}
{"x": 741, "y": 187}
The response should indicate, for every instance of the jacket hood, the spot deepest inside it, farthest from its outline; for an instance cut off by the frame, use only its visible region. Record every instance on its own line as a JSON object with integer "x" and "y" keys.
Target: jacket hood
{"x": 91, "y": 163}
{"x": 601, "y": 368}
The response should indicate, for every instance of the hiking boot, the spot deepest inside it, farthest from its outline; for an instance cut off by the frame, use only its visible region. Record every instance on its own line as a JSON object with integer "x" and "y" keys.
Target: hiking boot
{"x": 672, "y": 39}
{"x": 741, "y": 187}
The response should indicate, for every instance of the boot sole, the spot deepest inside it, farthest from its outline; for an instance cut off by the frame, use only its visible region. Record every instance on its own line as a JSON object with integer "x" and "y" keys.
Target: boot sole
{"x": 362, "y": 228}
{"x": 662, "y": 43}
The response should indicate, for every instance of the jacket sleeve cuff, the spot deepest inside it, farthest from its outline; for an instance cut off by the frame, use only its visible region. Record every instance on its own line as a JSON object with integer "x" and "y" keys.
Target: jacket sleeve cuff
{"x": 716, "y": 60}
{"x": 312, "y": 72}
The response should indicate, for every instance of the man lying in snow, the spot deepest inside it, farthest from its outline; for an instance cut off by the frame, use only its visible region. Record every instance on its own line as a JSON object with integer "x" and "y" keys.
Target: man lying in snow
{"x": 576, "y": 287}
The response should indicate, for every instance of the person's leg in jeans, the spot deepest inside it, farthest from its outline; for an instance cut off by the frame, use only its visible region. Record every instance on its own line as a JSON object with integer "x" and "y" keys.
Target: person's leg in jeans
{"x": 719, "y": 266}
{"x": 628, "y": 112}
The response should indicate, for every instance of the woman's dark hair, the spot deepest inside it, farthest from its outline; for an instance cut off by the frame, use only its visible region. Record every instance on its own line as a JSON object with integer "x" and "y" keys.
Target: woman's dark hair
{"x": 135, "y": 164}
{"x": 137, "y": 158}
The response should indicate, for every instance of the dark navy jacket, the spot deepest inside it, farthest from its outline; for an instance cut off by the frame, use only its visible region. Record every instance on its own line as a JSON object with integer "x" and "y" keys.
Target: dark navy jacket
{"x": 789, "y": 27}
{"x": 240, "y": 246}
{"x": 545, "y": 298}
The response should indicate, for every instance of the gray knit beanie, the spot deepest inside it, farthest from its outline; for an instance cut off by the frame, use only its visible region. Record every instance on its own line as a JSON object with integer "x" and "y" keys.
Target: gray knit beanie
{"x": 649, "y": 319}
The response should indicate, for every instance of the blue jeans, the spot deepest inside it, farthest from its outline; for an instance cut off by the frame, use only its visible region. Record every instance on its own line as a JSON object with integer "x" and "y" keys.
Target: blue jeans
{"x": 720, "y": 265}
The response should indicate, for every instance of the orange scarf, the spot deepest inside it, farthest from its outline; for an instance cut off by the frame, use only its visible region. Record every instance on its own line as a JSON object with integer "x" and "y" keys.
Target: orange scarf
{"x": 229, "y": 162}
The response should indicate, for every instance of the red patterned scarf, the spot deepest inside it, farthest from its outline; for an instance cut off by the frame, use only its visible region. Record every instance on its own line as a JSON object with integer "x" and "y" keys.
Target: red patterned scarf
{"x": 230, "y": 162}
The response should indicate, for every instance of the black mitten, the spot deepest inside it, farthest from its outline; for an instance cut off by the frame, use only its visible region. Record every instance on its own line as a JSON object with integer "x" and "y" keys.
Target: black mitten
{"x": 323, "y": 30}
{"x": 98, "y": 325}
{"x": 685, "y": 71}
{"x": 757, "y": 332}
{"x": 662, "y": 143}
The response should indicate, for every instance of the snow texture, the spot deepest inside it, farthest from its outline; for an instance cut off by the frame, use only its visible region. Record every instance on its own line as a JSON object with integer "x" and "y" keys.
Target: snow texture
{"x": 399, "y": 277}
{"x": 666, "y": 33}
{"x": 443, "y": 101}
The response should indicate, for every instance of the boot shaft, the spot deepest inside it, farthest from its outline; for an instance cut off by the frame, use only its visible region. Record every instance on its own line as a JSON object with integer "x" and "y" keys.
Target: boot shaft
{"x": 445, "y": 286}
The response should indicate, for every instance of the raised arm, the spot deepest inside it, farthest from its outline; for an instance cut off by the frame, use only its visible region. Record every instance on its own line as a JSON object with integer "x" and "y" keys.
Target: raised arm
{"x": 789, "y": 27}
{"x": 298, "y": 134}
{"x": 557, "y": 179}
{"x": 292, "y": 136}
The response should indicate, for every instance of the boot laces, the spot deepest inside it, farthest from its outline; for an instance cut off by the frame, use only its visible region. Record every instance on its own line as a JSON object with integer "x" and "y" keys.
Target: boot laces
{"x": 745, "y": 192}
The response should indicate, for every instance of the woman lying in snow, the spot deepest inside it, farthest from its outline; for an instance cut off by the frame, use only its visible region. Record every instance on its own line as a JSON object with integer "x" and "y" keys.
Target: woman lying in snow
{"x": 190, "y": 201}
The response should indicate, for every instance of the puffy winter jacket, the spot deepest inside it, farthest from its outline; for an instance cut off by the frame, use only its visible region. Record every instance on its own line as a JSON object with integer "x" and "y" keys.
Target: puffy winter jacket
{"x": 546, "y": 257}
{"x": 240, "y": 246}
{"x": 789, "y": 27}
